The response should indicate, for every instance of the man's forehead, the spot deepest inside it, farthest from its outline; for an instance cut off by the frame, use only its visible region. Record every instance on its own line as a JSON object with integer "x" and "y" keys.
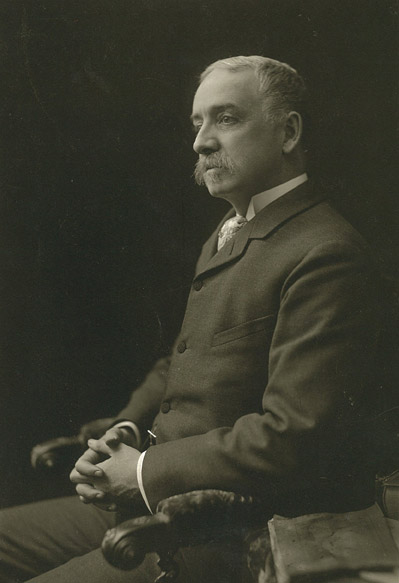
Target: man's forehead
{"x": 222, "y": 86}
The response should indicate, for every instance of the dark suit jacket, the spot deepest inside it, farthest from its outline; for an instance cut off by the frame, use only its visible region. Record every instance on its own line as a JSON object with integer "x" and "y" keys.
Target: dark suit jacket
{"x": 274, "y": 366}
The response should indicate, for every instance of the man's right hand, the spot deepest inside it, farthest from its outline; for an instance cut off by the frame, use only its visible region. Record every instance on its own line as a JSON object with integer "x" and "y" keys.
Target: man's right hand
{"x": 95, "y": 429}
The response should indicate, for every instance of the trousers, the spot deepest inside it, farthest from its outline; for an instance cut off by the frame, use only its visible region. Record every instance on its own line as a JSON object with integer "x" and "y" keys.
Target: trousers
{"x": 58, "y": 541}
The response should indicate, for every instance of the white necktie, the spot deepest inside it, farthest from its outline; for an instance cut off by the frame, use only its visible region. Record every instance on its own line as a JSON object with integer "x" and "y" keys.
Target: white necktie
{"x": 229, "y": 229}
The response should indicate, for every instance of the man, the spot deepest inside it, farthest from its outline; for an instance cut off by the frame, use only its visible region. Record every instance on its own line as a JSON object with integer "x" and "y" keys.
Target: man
{"x": 273, "y": 369}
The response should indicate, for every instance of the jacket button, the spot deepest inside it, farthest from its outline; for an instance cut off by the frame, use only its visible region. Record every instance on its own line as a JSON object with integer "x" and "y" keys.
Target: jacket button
{"x": 165, "y": 407}
{"x": 197, "y": 285}
{"x": 181, "y": 347}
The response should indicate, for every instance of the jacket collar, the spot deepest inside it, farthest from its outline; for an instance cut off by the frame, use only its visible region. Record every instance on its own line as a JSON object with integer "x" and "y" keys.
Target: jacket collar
{"x": 261, "y": 226}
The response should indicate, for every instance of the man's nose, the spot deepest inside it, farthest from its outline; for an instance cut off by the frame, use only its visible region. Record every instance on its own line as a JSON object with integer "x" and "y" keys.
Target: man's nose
{"x": 206, "y": 141}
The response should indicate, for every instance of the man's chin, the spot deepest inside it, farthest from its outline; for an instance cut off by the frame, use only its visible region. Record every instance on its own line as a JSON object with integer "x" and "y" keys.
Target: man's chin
{"x": 215, "y": 190}
{"x": 215, "y": 185}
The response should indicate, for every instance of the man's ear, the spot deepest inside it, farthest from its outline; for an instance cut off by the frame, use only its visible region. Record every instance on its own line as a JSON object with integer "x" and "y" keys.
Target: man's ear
{"x": 293, "y": 131}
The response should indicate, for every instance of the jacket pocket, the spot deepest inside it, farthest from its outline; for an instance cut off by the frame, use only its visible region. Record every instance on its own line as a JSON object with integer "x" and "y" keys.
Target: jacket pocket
{"x": 243, "y": 330}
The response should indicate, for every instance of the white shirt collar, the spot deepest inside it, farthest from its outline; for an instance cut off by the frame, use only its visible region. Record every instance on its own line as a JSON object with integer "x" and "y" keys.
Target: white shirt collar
{"x": 259, "y": 201}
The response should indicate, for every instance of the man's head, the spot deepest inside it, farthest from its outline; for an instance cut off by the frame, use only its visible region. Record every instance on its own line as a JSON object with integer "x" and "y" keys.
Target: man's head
{"x": 247, "y": 114}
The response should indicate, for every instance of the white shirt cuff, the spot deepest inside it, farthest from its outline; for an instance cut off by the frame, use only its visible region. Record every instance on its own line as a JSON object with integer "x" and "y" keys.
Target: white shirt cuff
{"x": 140, "y": 480}
{"x": 132, "y": 426}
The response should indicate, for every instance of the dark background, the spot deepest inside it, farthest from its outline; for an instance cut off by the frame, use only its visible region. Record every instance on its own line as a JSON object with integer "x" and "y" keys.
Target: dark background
{"x": 100, "y": 219}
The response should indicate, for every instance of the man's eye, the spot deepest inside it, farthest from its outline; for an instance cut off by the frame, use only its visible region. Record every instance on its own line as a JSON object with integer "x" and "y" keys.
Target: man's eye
{"x": 197, "y": 127}
{"x": 227, "y": 119}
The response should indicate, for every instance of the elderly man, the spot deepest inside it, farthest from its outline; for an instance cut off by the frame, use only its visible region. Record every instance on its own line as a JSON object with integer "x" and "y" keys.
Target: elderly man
{"x": 272, "y": 372}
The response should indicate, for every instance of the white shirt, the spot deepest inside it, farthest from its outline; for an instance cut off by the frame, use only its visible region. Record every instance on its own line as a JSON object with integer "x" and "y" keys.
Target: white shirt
{"x": 259, "y": 201}
{"x": 256, "y": 204}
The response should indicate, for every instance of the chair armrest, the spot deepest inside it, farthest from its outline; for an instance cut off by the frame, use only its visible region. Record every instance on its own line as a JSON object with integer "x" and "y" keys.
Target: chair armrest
{"x": 180, "y": 521}
{"x": 56, "y": 453}
{"x": 387, "y": 494}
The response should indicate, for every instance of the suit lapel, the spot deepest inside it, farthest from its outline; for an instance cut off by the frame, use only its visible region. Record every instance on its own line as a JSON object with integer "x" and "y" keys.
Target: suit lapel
{"x": 209, "y": 249}
{"x": 261, "y": 226}
{"x": 283, "y": 209}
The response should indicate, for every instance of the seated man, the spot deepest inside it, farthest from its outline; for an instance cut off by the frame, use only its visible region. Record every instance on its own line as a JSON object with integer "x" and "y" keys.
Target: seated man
{"x": 273, "y": 370}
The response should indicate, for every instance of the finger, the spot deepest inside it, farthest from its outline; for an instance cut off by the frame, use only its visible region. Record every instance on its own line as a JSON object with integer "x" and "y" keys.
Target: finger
{"x": 99, "y": 446}
{"x": 78, "y": 478}
{"x": 103, "y": 503}
{"x": 89, "y": 493}
{"x": 86, "y": 464}
{"x": 87, "y": 469}
{"x": 114, "y": 436}
{"x": 91, "y": 456}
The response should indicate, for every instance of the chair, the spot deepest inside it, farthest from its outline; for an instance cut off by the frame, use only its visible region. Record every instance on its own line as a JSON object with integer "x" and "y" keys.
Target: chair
{"x": 196, "y": 517}
{"x": 184, "y": 520}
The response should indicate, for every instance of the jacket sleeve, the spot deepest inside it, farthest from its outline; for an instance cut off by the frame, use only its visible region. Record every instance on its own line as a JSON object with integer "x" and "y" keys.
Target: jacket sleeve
{"x": 321, "y": 364}
{"x": 145, "y": 401}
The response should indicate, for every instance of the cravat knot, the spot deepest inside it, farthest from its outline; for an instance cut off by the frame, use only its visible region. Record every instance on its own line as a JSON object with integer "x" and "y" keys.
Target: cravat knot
{"x": 229, "y": 229}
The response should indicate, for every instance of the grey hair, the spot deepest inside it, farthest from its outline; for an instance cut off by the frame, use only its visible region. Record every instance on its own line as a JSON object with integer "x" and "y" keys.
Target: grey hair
{"x": 283, "y": 88}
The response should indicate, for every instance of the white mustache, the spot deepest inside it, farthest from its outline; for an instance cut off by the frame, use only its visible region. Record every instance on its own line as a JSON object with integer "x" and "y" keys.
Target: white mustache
{"x": 215, "y": 160}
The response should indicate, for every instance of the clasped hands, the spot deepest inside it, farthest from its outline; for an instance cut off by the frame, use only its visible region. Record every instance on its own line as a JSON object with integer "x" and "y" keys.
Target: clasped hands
{"x": 106, "y": 474}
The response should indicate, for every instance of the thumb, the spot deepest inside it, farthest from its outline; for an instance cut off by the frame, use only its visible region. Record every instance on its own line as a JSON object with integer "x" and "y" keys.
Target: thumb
{"x": 114, "y": 436}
